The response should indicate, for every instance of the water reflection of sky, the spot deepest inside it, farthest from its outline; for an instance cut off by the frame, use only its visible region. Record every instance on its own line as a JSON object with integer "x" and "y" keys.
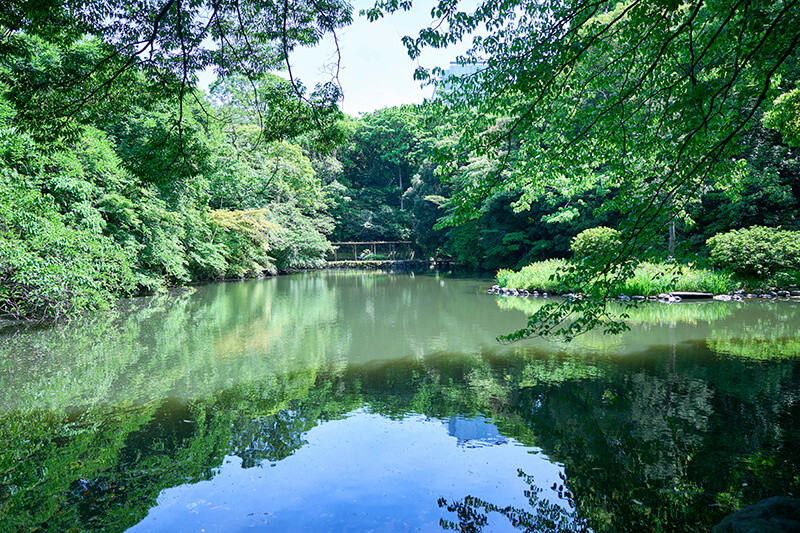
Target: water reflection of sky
{"x": 475, "y": 432}
{"x": 365, "y": 472}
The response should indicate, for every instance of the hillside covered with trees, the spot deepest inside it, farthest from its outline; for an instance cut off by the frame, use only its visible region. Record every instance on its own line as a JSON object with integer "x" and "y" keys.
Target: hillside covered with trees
{"x": 670, "y": 121}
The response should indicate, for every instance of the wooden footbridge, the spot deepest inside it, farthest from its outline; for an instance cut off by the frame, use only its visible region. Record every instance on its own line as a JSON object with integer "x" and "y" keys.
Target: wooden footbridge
{"x": 366, "y": 250}
{"x": 353, "y": 253}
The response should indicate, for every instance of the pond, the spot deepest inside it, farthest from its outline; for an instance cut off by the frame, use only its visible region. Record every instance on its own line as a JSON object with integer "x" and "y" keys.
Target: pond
{"x": 367, "y": 401}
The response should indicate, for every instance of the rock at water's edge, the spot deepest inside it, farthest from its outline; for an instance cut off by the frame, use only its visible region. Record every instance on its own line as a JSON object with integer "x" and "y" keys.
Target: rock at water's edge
{"x": 692, "y": 295}
{"x": 773, "y": 515}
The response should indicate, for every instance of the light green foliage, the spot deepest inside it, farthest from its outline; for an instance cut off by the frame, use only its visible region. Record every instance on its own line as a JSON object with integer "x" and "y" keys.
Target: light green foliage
{"x": 275, "y": 179}
{"x": 246, "y": 236}
{"x": 595, "y": 242}
{"x": 279, "y": 109}
{"x": 589, "y": 105}
{"x": 139, "y": 172}
{"x": 49, "y": 269}
{"x": 539, "y": 276}
{"x": 645, "y": 97}
{"x": 155, "y": 151}
{"x": 300, "y": 240}
{"x": 651, "y": 278}
{"x": 254, "y": 177}
{"x": 784, "y": 116}
{"x": 53, "y": 85}
{"x": 758, "y": 252}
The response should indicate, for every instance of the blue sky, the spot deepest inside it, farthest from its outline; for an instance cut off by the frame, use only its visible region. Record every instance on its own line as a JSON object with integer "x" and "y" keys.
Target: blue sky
{"x": 376, "y": 71}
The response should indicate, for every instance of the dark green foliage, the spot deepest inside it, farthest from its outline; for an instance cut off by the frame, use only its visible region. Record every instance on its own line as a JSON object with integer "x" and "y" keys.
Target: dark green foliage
{"x": 505, "y": 237}
{"x": 384, "y": 152}
{"x": 765, "y": 192}
{"x": 758, "y": 252}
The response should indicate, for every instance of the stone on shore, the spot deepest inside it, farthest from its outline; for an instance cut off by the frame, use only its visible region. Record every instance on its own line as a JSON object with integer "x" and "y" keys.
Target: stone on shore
{"x": 684, "y": 295}
{"x": 773, "y": 515}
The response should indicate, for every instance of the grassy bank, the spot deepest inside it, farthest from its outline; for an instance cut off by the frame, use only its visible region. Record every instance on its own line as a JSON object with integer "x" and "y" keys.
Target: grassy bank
{"x": 648, "y": 279}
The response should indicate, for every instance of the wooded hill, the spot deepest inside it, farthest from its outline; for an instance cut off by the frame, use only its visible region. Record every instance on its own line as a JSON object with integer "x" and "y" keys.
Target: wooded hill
{"x": 117, "y": 176}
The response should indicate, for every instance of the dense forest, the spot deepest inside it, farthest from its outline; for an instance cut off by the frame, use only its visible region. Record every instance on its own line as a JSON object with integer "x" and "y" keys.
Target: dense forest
{"x": 669, "y": 121}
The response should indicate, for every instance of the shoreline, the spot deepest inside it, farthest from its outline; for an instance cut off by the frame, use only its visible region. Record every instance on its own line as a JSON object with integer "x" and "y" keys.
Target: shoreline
{"x": 670, "y": 297}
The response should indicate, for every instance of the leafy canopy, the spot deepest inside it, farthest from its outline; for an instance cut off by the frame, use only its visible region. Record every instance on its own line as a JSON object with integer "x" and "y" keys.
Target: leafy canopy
{"x": 60, "y": 60}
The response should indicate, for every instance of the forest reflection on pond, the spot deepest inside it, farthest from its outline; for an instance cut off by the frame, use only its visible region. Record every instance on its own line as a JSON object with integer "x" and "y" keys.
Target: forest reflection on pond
{"x": 132, "y": 420}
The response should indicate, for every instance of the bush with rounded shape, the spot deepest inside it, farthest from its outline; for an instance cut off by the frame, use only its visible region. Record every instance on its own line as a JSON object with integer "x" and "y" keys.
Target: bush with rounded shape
{"x": 758, "y": 251}
{"x": 594, "y": 242}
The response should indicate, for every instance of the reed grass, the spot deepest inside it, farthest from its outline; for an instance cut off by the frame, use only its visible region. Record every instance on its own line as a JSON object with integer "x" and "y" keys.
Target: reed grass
{"x": 648, "y": 279}
{"x": 537, "y": 276}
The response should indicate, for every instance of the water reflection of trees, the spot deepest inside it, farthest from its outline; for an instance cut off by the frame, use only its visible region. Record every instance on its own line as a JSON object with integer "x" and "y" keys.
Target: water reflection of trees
{"x": 755, "y": 329}
{"x": 178, "y": 344}
{"x": 646, "y": 312}
{"x": 645, "y": 442}
{"x": 88, "y": 439}
{"x": 670, "y": 439}
{"x": 541, "y": 516}
{"x": 666, "y": 442}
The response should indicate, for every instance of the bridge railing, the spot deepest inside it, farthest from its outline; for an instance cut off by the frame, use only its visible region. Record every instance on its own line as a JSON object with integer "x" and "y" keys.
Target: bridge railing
{"x": 372, "y": 250}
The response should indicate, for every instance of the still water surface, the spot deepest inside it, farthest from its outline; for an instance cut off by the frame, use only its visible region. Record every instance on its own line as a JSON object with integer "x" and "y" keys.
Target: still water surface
{"x": 363, "y": 401}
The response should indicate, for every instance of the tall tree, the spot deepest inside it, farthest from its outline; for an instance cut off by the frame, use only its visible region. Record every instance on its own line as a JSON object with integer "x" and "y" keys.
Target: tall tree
{"x": 150, "y": 47}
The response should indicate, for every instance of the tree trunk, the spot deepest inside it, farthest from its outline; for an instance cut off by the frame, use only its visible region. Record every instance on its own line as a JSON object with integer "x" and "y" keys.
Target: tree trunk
{"x": 672, "y": 239}
{"x": 400, "y": 179}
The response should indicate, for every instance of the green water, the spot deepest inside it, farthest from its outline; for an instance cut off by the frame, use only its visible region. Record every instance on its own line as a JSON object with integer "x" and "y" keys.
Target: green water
{"x": 358, "y": 401}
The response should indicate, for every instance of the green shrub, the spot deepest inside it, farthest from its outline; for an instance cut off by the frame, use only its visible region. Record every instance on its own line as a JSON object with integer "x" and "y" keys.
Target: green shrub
{"x": 246, "y": 236}
{"x": 757, "y": 252}
{"x": 595, "y": 242}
